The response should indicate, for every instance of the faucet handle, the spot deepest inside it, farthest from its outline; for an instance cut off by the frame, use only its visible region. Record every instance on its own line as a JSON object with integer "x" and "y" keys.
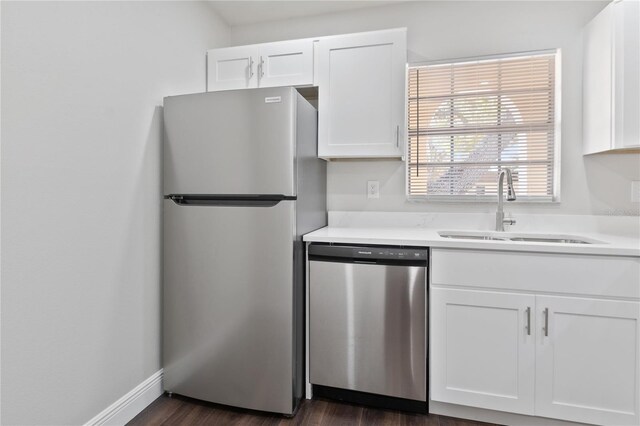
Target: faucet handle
{"x": 509, "y": 221}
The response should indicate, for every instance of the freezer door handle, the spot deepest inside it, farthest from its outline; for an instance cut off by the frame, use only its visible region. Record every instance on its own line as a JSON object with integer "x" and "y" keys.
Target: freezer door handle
{"x": 262, "y": 200}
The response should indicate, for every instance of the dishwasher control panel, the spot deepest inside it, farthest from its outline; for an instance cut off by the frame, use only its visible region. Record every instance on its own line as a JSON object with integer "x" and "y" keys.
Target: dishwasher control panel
{"x": 367, "y": 253}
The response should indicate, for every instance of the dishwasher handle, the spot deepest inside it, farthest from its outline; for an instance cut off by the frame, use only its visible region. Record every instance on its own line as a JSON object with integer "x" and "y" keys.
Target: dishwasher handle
{"x": 383, "y": 255}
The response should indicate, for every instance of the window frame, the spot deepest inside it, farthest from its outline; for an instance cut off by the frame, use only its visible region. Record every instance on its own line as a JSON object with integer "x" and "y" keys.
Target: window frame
{"x": 556, "y": 187}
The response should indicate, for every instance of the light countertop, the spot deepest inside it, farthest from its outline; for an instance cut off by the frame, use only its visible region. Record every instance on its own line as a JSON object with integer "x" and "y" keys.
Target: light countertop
{"x": 605, "y": 243}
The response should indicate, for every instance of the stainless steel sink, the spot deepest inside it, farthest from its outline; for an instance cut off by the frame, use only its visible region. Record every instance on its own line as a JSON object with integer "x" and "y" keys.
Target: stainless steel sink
{"x": 491, "y": 236}
{"x": 550, "y": 240}
{"x": 472, "y": 237}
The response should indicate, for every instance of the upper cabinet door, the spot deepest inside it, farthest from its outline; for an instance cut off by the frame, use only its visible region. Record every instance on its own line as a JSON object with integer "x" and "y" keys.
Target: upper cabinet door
{"x": 626, "y": 75}
{"x": 278, "y": 64}
{"x": 588, "y": 360}
{"x": 362, "y": 94}
{"x": 286, "y": 63}
{"x": 232, "y": 68}
{"x": 597, "y": 81}
{"x": 611, "y": 79}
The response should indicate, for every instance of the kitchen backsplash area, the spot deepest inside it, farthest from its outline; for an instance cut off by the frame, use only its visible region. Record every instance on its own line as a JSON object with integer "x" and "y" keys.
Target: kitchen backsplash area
{"x": 598, "y": 184}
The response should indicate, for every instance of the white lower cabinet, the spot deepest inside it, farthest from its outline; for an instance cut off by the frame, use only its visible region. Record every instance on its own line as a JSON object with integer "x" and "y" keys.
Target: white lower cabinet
{"x": 569, "y": 358}
{"x": 482, "y": 350}
{"x": 587, "y": 360}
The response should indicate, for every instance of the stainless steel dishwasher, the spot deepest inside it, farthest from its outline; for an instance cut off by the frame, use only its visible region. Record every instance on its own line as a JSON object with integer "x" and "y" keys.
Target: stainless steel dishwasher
{"x": 368, "y": 324}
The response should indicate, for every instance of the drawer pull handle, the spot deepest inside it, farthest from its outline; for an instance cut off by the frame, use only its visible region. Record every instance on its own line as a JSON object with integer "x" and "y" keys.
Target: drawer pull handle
{"x": 528, "y": 321}
{"x": 546, "y": 322}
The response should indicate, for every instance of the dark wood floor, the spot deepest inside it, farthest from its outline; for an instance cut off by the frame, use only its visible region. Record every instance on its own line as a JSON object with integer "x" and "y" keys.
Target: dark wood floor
{"x": 184, "y": 411}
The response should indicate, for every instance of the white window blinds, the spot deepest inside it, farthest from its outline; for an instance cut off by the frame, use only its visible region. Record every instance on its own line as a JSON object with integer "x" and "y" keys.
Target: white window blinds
{"x": 468, "y": 120}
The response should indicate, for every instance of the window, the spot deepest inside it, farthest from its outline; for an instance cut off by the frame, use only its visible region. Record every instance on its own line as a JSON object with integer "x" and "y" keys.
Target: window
{"x": 470, "y": 119}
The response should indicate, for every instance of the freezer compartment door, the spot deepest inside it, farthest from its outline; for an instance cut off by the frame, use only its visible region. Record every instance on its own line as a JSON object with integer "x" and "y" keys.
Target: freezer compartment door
{"x": 367, "y": 326}
{"x": 228, "y": 304}
{"x": 230, "y": 142}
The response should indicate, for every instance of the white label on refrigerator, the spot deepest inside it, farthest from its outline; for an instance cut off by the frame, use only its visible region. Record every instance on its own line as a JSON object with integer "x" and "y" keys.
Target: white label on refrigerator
{"x": 272, "y": 99}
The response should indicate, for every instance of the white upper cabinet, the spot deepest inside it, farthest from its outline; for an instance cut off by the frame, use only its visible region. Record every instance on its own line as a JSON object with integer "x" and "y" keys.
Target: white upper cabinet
{"x": 286, "y": 63}
{"x": 361, "y": 94}
{"x": 611, "y": 79}
{"x": 232, "y": 68}
{"x": 361, "y": 81}
{"x": 283, "y": 63}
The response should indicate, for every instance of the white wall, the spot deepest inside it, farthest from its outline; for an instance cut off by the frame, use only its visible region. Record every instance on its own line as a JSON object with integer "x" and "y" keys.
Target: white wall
{"x": 599, "y": 184}
{"x": 82, "y": 83}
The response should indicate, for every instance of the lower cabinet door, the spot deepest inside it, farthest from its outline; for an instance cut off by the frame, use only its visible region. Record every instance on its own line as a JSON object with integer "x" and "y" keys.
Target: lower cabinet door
{"x": 588, "y": 359}
{"x": 483, "y": 349}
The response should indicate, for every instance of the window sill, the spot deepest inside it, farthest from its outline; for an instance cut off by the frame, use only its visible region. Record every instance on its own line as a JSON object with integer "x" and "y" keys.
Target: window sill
{"x": 463, "y": 200}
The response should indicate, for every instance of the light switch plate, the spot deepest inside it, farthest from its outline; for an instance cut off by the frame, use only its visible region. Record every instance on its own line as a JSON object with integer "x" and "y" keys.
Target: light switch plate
{"x": 635, "y": 191}
{"x": 373, "y": 189}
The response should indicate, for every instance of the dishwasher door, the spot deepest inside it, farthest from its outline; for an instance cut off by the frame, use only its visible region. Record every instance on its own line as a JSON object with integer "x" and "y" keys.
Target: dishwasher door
{"x": 367, "y": 328}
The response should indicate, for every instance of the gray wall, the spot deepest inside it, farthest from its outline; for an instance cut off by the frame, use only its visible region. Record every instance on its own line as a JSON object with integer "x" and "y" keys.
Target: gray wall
{"x": 599, "y": 184}
{"x": 82, "y": 83}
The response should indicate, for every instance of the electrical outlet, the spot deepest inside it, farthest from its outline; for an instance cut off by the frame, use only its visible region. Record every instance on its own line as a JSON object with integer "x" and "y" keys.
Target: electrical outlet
{"x": 373, "y": 189}
{"x": 635, "y": 191}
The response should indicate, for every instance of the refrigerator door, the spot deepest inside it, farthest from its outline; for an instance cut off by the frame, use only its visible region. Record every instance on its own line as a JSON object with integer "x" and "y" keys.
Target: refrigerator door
{"x": 230, "y": 142}
{"x": 228, "y": 304}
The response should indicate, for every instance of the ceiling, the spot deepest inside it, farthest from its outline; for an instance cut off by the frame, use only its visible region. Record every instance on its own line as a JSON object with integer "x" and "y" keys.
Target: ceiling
{"x": 251, "y": 12}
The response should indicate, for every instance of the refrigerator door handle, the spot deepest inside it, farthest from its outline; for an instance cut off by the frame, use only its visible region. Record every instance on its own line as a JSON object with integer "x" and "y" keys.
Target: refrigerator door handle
{"x": 262, "y": 200}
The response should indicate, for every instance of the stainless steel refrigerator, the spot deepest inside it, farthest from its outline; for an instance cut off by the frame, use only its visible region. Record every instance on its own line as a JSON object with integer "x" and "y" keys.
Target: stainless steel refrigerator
{"x": 242, "y": 183}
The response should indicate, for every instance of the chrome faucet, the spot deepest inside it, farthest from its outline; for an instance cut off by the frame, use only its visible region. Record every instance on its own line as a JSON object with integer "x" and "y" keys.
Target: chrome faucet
{"x": 511, "y": 196}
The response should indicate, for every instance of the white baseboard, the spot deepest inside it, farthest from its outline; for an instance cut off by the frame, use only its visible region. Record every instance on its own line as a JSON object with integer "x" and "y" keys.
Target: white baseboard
{"x": 495, "y": 417}
{"x": 131, "y": 404}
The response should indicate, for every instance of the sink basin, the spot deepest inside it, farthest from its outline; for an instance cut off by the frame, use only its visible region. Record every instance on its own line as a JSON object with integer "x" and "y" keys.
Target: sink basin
{"x": 472, "y": 237}
{"x": 550, "y": 240}
{"x": 494, "y": 236}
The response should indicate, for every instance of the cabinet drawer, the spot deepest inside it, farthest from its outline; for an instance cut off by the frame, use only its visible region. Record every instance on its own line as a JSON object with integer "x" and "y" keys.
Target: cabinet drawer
{"x": 542, "y": 272}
